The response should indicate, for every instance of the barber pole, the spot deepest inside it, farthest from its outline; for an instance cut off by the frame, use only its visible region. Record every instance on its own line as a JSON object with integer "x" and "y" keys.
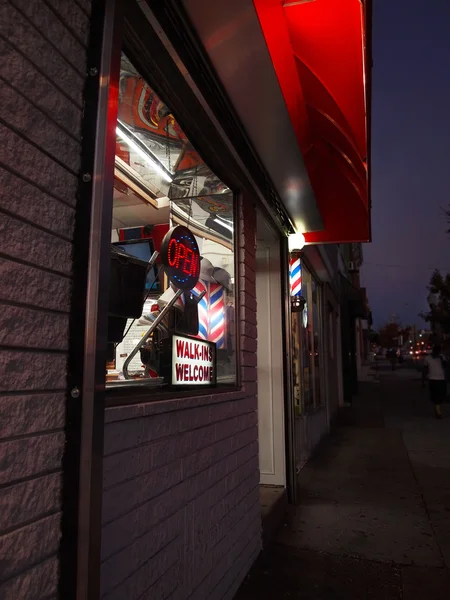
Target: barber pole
{"x": 217, "y": 315}
{"x": 202, "y": 286}
{"x": 295, "y": 275}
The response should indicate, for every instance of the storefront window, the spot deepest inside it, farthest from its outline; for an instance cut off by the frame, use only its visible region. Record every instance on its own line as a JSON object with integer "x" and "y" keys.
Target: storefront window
{"x": 161, "y": 182}
{"x": 306, "y": 343}
{"x": 316, "y": 314}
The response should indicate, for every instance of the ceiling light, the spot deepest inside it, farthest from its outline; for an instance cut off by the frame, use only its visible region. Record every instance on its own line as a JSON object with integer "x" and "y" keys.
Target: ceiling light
{"x": 224, "y": 223}
{"x": 137, "y": 148}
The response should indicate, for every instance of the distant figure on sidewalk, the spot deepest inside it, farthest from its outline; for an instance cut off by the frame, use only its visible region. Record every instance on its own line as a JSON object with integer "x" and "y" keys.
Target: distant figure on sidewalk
{"x": 391, "y": 355}
{"x": 434, "y": 369}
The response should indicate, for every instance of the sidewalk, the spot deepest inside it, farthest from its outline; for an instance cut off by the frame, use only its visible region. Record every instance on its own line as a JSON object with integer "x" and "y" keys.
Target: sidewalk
{"x": 374, "y": 514}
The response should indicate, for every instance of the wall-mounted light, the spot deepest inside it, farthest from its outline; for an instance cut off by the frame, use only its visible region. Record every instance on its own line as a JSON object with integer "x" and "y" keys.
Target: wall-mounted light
{"x": 296, "y": 241}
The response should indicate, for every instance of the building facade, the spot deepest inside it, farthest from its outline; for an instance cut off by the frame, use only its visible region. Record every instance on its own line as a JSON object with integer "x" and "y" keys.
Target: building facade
{"x": 157, "y": 372}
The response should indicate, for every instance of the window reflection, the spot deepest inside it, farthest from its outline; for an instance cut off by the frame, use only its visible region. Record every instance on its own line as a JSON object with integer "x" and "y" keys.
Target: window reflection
{"x": 161, "y": 181}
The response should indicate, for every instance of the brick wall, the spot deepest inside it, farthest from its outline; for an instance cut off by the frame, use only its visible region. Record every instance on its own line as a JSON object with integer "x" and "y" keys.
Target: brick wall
{"x": 43, "y": 49}
{"x": 181, "y": 513}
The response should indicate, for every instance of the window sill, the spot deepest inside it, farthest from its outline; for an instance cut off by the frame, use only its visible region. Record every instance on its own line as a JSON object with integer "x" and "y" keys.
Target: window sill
{"x": 141, "y": 402}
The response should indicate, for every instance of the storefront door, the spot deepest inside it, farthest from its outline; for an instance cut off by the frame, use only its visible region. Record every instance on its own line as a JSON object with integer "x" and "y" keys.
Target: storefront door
{"x": 272, "y": 461}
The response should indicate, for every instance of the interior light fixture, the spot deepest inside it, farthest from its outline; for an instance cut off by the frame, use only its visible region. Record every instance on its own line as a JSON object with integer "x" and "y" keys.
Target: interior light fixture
{"x": 296, "y": 241}
{"x": 224, "y": 223}
{"x": 126, "y": 137}
{"x": 219, "y": 227}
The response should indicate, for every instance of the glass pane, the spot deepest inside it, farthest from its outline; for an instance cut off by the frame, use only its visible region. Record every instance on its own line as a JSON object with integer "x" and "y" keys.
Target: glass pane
{"x": 307, "y": 343}
{"x": 160, "y": 182}
{"x": 315, "y": 293}
{"x": 297, "y": 376}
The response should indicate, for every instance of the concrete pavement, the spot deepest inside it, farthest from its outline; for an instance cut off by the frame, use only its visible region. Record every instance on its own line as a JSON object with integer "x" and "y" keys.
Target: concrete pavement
{"x": 374, "y": 515}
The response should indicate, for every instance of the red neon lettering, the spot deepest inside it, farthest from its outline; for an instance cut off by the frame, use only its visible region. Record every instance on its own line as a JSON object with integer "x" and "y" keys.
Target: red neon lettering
{"x": 186, "y": 372}
{"x": 180, "y": 347}
{"x": 195, "y": 266}
{"x": 200, "y": 373}
{"x": 179, "y": 371}
{"x": 197, "y": 353}
{"x": 196, "y": 373}
{"x": 181, "y": 254}
{"x": 186, "y": 351}
{"x": 172, "y": 252}
{"x": 187, "y": 267}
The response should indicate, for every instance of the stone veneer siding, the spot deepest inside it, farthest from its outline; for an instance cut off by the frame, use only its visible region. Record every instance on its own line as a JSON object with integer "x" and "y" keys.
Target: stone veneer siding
{"x": 43, "y": 44}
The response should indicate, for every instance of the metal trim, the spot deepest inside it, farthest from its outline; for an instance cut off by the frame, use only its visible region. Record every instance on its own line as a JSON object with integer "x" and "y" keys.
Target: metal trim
{"x": 82, "y": 469}
{"x": 239, "y": 199}
{"x": 171, "y": 24}
{"x": 144, "y": 48}
{"x": 93, "y": 386}
{"x": 289, "y": 411}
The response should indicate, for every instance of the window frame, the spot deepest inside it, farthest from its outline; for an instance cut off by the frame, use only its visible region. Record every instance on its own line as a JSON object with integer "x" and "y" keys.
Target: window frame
{"x": 319, "y": 377}
{"x": 160, "y": 71}
{"x": 310, "y": 276}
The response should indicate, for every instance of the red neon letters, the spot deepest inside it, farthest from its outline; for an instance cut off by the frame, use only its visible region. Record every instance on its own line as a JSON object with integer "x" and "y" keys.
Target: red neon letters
{"x": 183, "y": 258}
{"x": 194, "y": 351}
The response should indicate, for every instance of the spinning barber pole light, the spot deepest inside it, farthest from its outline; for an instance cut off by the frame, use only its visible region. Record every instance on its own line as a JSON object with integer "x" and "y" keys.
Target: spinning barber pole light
{"x": 217, "y": 314}
{"x": 295, "y": 275}
{"x": 202, "y": 286}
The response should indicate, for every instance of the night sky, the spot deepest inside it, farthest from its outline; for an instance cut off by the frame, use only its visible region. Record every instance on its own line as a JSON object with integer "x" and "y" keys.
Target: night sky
{"x": 410, "y": 155}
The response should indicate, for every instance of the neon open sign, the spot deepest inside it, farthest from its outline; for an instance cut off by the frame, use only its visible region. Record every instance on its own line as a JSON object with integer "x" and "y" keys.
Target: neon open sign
{"x": 181, "y": 257}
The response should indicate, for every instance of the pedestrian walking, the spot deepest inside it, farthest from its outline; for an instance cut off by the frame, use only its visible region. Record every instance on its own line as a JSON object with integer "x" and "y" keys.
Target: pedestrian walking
{"x": 435, "y": 370}
{"x": 392, "y": 356}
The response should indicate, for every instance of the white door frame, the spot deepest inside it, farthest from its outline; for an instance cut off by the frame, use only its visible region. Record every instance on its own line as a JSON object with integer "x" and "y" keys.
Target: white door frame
{"x": 271, "y": 393}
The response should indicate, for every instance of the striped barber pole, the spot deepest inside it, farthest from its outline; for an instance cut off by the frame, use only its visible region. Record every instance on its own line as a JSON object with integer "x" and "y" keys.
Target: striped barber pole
{"x": 217, "y": 315}
{"x": 202, "y": 286}
{"x": 295, "y": 276}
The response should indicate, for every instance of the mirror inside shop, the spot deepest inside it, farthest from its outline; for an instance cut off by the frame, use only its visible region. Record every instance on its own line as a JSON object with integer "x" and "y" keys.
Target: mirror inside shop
{"x": 172, "y": 273}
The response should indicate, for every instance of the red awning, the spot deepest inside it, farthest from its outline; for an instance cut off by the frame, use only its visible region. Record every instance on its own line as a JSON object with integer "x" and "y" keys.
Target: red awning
{"x": 319, "y": 52}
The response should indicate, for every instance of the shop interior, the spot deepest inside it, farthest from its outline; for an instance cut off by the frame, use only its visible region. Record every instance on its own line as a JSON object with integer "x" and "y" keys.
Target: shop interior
{"x": 306, "y": 338}
{"x": 160, "y": 181}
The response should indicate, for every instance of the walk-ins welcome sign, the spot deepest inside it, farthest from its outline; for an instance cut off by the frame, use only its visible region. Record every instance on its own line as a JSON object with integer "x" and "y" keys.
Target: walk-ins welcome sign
{"x": 193, "y": 361}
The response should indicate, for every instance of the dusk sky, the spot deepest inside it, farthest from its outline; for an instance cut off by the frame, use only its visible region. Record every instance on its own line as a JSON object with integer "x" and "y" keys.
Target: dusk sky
{"x": 410, "y": 155}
